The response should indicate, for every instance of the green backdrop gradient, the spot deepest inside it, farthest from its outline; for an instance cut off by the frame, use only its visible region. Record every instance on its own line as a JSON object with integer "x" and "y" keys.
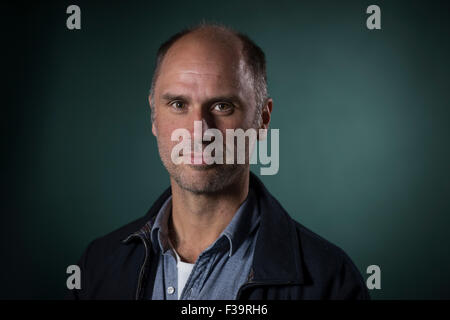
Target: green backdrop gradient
{"x": 363, "y": 118}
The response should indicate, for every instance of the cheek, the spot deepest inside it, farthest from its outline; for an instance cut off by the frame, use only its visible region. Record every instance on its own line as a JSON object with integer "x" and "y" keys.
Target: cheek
{"x": 164, "y": 131}
{"x": 239, "y": 120}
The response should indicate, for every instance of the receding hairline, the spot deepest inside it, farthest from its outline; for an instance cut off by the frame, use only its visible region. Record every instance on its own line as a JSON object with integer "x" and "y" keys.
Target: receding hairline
{"x": 211, "y": 32}
{"x": 214, "y": 34}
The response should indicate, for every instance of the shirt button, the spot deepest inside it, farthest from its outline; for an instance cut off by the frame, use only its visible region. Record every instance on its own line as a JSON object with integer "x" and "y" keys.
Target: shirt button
{"x": 170, "y": 290}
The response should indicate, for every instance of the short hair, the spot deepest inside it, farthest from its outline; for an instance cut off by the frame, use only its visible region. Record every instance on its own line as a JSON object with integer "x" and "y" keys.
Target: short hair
{"x": 253, "y": 55}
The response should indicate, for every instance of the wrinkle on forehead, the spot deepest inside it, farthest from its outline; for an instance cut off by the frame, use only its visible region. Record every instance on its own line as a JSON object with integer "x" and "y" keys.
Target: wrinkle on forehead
{"x": 201, "y": 68}
{"x": 231, "y": 74}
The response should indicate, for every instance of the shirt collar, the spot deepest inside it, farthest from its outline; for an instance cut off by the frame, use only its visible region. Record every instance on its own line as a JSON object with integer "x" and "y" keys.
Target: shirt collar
{"x": 160, "y": 230}
{"x": 240, "y": 227}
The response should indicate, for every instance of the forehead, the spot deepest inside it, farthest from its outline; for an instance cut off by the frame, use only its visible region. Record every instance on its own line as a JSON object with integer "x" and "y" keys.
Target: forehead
{"x": 199, "y": 63}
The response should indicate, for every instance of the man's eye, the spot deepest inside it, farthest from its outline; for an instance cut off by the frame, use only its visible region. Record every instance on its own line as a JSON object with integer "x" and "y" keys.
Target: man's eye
{"x": 222, "y": 107}
{"x": 177, "y": 105}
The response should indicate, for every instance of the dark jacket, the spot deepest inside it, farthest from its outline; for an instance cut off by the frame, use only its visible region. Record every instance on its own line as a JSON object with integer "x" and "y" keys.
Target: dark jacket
{"x": 290, "y": 261}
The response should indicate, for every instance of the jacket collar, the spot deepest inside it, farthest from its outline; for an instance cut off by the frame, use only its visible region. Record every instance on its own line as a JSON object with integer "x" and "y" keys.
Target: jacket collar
{"x": 277, "y": 257}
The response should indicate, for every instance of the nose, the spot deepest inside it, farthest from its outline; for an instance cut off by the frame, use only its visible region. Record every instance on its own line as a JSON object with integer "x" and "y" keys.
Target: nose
{"x": 201, "y": 117}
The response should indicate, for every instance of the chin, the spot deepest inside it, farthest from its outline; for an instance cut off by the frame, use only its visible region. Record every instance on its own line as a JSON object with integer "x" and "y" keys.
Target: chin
{"x": 204, "y": 179}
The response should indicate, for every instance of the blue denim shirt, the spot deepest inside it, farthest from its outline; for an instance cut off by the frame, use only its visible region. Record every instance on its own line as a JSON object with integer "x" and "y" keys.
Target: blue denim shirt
{"x": 220, "y": 270}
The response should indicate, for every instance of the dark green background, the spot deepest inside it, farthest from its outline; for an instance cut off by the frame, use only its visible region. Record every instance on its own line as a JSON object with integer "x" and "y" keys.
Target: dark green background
{"x": 363, "y": 118}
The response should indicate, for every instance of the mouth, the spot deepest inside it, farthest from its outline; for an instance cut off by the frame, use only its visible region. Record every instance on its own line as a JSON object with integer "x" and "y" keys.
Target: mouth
{"x": 198, "y": 160}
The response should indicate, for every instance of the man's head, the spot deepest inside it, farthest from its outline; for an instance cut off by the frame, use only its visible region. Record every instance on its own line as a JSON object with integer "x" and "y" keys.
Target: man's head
{"x": 211, "y": 74}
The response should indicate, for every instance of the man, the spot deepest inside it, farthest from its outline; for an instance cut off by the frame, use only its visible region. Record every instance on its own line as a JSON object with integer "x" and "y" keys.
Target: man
{"x": 216, "y": 233}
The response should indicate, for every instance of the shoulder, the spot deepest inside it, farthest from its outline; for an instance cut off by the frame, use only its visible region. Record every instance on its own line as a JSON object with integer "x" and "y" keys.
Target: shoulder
{"x": 106, "y": 262}
{"x": 108, "y": 243}
{"x": 326, "y": 263}
{"x": 318, "y": 248}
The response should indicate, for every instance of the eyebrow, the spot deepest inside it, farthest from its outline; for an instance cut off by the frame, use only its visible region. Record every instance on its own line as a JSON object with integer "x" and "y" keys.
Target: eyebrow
{"x": 226, "y": 98}
{"x": 170, "y": 96}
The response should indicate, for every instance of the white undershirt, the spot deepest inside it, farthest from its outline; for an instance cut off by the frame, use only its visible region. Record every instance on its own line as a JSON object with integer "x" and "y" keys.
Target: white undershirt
{"x": 184, "y": 270}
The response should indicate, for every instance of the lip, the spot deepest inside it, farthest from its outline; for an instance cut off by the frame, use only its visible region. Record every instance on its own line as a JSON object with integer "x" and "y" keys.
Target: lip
{"x": 197, "y": 159}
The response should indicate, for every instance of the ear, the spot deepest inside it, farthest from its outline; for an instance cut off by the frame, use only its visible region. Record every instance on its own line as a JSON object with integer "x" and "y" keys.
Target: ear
{"x": 265, "y": 115}
{"x": 153, "y": 122}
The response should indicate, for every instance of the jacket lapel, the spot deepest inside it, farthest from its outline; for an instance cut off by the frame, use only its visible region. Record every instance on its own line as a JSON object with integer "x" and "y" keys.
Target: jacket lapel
{"x": 277, "y": 257}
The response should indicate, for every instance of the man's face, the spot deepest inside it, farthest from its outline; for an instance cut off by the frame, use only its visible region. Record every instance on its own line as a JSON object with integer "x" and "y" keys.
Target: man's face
{"x": 202, "y": 79}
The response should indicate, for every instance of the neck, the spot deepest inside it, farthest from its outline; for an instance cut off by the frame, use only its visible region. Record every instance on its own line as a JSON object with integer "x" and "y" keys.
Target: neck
{"x": 197, "y": 220}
